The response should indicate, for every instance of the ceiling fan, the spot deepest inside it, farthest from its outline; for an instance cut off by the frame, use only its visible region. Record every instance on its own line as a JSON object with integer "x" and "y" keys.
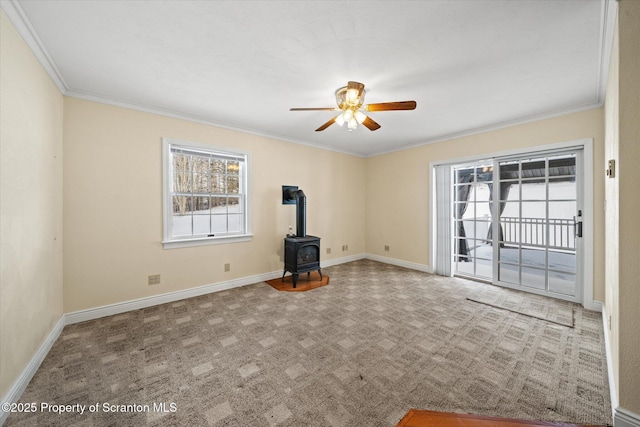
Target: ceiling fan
{"x": 350, "y": 100}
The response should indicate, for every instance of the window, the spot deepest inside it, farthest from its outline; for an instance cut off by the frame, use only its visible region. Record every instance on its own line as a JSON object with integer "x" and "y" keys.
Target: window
{"x": 205, "y": 195}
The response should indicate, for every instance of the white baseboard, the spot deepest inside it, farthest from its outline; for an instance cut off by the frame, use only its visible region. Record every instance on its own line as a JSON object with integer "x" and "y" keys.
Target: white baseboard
{"x": 20, "y": 384}
{"x": 122, "y": 307}
{"x": 625, "y": 418}
{"x": 607, "y": 349}
{"x": 342, "y": 260}
{"x": 400, "y": 263}
{"x": 593, "y": 305}
{"x": 621, "y": 417}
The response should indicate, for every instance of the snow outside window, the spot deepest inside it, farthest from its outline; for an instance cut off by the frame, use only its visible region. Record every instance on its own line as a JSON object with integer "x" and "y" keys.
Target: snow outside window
{"x": 205, "y": 194}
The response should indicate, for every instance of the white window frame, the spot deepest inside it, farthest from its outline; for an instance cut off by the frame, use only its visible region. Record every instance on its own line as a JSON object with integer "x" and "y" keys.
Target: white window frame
{"x": 170, "y": 242}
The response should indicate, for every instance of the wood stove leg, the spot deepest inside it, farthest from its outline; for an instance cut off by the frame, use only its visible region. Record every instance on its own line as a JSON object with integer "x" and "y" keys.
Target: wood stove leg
{"x": 295, "y": 279}
{"x": 283, "y": 273}
{"x": 320, "y": 271}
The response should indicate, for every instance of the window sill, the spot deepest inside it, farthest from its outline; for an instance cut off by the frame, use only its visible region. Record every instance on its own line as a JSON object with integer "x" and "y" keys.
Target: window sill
{"x": 205, "y": 241}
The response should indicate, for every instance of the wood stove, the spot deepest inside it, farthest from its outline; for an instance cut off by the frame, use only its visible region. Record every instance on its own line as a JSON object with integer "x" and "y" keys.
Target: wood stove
{"x": 301, "y": 255}
{"x": 301, "y": 252}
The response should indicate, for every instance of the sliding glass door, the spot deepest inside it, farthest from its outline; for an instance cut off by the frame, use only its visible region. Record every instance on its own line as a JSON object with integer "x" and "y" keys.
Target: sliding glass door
{"x": 517, "y": 222}
{"x": 473, "y": 253}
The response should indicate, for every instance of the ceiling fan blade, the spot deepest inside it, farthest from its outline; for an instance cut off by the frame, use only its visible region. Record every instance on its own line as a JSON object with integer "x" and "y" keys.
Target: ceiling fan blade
{"x": 391, "y": 106}
{"x": 326, "y": 125}
{"x": 371, "y": 124}
{"x": 314, "y": 109}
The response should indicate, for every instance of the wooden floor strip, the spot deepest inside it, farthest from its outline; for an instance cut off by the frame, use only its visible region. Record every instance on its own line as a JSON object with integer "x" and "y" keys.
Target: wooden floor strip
{"x": 420, "y": 418}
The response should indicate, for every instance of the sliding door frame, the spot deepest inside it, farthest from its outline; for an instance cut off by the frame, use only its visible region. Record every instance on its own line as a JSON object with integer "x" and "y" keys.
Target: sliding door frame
{"x": 586, "y": 145}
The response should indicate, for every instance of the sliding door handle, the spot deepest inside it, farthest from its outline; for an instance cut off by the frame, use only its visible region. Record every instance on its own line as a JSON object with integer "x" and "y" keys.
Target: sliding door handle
{"x": 577, "y": 227}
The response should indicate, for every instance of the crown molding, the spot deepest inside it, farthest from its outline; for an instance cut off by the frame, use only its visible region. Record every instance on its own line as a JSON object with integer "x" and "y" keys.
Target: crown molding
{"x": 87, "y": 96}
{"x": 19, "y": 19}
{"x": 506, "y": 124}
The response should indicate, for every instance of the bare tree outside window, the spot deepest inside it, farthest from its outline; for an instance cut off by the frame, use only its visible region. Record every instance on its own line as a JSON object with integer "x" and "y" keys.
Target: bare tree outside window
{"x": 207, "y": 195}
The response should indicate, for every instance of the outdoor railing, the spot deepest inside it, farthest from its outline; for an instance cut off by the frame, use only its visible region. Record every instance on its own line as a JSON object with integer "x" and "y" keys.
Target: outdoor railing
{"x": 532, "y": 231}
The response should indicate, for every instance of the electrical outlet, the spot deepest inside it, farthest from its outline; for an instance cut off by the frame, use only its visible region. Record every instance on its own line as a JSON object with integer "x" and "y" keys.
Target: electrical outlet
{"x": 386, "y": 248}
{"x": 153, "y": 279}
{"x": 227, "y": 267}
{"x": 328, "y": 251}
{"x": 345, "y": 248}
{"x": 611, "y": 169}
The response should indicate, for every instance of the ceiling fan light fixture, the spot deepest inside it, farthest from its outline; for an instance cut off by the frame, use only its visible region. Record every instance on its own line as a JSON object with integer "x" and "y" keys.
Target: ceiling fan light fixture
{"x": 352, "y": 123}
{"x": 352, "y": 96}
{"x": 349, "y": 98}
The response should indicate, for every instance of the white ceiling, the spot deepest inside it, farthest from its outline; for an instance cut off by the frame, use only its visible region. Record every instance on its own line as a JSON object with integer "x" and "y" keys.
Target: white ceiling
{"x": 470, "y": 65}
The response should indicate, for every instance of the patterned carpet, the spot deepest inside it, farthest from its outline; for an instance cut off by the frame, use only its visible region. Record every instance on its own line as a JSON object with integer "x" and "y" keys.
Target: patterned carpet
{"x": 362, "y": 351}
{"x": 537, "y": 306}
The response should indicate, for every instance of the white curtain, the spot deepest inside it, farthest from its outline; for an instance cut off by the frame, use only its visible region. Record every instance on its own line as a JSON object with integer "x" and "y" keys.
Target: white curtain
{"x": 444, "y": 220}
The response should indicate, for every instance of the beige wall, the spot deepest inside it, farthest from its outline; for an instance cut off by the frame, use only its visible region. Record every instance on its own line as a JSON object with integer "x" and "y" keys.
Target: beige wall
{"x": 398, "y": 184}
{"x": 30, "y": 204}
{"x": 628, "y": 205}
{"x": 113, "y": 205}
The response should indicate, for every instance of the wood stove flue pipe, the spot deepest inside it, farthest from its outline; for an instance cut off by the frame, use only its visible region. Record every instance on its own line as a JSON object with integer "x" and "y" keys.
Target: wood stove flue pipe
{"x": 301, "y": 214}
